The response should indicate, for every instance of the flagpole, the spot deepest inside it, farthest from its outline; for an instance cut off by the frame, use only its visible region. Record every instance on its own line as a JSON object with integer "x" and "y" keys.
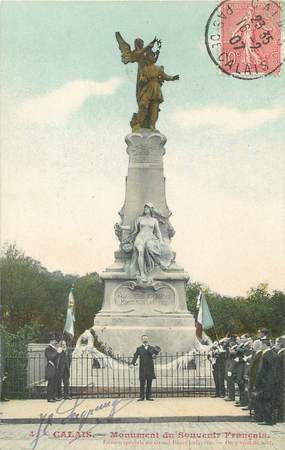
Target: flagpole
{"x": 62, "y": 335}
{"x": 216, "y": 334}
{"x": 68, "y": 340}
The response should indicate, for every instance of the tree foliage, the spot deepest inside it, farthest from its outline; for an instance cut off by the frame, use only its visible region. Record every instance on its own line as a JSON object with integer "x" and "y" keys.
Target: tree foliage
{"x": 33, "y": 296}
{"x": 239, "y": 315}
{"x": 34, "y": 302}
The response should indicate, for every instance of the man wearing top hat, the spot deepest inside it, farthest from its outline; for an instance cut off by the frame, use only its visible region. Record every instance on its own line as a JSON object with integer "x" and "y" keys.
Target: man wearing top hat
{"x": 51, "y": 353}
{"x": 147, "y": 354}
{"x": 63, "y": 372}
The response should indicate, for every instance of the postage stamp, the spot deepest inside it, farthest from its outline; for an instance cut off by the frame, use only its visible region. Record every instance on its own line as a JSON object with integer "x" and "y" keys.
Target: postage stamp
{"x": 244, "y": 38}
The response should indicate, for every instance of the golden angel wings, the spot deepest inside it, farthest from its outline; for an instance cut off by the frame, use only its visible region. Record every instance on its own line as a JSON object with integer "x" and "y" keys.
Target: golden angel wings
{"x": 149, "y": 80}
{"x": 140, "y": 53}
{"x": 125, "y": 49}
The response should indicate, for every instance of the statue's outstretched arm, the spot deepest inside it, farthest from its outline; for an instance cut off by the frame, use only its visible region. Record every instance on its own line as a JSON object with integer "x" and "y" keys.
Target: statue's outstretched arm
{"x": 169, "y": 77}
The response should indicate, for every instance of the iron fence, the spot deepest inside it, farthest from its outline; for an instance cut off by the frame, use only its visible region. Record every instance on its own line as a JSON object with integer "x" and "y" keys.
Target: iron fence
{"x": 179, "y": 375}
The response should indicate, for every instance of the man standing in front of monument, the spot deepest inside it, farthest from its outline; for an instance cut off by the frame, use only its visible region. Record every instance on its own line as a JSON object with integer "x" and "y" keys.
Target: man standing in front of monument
{"x": 147, "y": 354}
{"x": 51, "y": 353}
{"x": 63, "y": 372}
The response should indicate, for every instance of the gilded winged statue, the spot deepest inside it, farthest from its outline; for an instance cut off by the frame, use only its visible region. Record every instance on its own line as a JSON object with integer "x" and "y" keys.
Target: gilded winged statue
{"x": 150, "y": 78}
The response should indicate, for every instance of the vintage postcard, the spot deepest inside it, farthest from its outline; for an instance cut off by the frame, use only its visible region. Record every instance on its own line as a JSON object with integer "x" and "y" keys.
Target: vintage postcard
{"x": 142, "y": 228}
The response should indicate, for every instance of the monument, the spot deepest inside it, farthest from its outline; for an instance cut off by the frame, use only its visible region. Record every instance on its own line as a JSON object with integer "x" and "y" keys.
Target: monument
{"x": 145, "y": 289}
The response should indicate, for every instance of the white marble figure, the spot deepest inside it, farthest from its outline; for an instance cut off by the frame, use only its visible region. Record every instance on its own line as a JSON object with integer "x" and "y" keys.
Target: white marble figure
{"x": 148, "y": 247}
{"x": 85, "y": 347}
{"x": 84, "y": 344}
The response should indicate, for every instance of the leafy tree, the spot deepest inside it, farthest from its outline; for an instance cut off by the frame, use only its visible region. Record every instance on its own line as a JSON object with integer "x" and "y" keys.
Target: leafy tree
{"x": 88, "y": 292}
{"x": 34, "y": 302}
{"x": 31, "y": 294}
{"x": 239, "y": 315}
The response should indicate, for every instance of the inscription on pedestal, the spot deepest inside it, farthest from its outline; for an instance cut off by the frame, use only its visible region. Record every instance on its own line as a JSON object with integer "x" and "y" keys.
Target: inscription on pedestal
{"x": 162, "y": 298}
{"x": 144, "y": 156}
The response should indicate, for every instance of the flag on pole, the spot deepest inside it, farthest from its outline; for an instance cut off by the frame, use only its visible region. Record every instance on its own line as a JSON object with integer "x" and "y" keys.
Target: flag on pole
{"x": 204, "y": 316}
{"x": 199, "y": 300}
{"x": 70, "y": 318}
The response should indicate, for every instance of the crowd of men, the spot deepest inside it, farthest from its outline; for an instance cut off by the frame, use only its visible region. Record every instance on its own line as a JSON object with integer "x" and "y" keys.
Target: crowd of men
{"x": 57, "y": 370}
{"x": 249, "y": 370}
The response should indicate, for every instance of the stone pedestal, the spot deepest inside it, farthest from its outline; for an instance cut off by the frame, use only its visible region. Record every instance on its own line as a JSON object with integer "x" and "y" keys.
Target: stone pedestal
{"x": 157, "y": 308}
{"x": 145, "y": 181}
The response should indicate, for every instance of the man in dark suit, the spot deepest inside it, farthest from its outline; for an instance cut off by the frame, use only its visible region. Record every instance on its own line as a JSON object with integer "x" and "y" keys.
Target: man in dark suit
{"x": 255, "y": 365}
{"x": 217, "y": 359}
{"x": 267, "y": 382}
{"x": 239, "y": 374}
{"x": 63, "y": 372}
{"x": 4, "y": 386}
{"x": 51, "y": 353}
{"x": 229, "y": 367}
{"x": 280, "y": 347}
{"x": 147, "y": 354}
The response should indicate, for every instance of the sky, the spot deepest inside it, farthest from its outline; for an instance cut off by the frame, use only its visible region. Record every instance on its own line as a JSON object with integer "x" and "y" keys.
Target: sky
{"x": 66, "y": 103}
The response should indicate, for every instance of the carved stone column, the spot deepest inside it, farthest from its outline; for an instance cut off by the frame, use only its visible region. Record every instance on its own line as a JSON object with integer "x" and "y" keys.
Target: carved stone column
{"x": 157, "y": 308}
{"x": 145, "y": 181}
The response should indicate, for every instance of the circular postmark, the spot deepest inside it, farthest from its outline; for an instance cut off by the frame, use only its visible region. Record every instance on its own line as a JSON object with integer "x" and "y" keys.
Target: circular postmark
{"x": 244, "y": 38}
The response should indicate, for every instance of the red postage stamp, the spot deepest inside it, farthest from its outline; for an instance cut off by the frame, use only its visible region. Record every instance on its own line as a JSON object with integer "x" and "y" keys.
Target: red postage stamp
{"x": 244, "y": 37}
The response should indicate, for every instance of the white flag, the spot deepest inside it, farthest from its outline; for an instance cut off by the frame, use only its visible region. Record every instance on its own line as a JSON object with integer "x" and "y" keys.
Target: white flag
{"x": 204, "y": 315}
{"x": 70, "y": 318}
{"x": 199, "y": 300}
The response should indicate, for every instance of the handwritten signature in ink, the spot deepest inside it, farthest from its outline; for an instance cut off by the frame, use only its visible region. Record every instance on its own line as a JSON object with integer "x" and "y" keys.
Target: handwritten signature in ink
{"x": 70, "y": 411}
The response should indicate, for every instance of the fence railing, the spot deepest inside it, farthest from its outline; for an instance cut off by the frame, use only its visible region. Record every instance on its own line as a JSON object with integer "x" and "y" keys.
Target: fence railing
{"x": 177, "y": 375}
